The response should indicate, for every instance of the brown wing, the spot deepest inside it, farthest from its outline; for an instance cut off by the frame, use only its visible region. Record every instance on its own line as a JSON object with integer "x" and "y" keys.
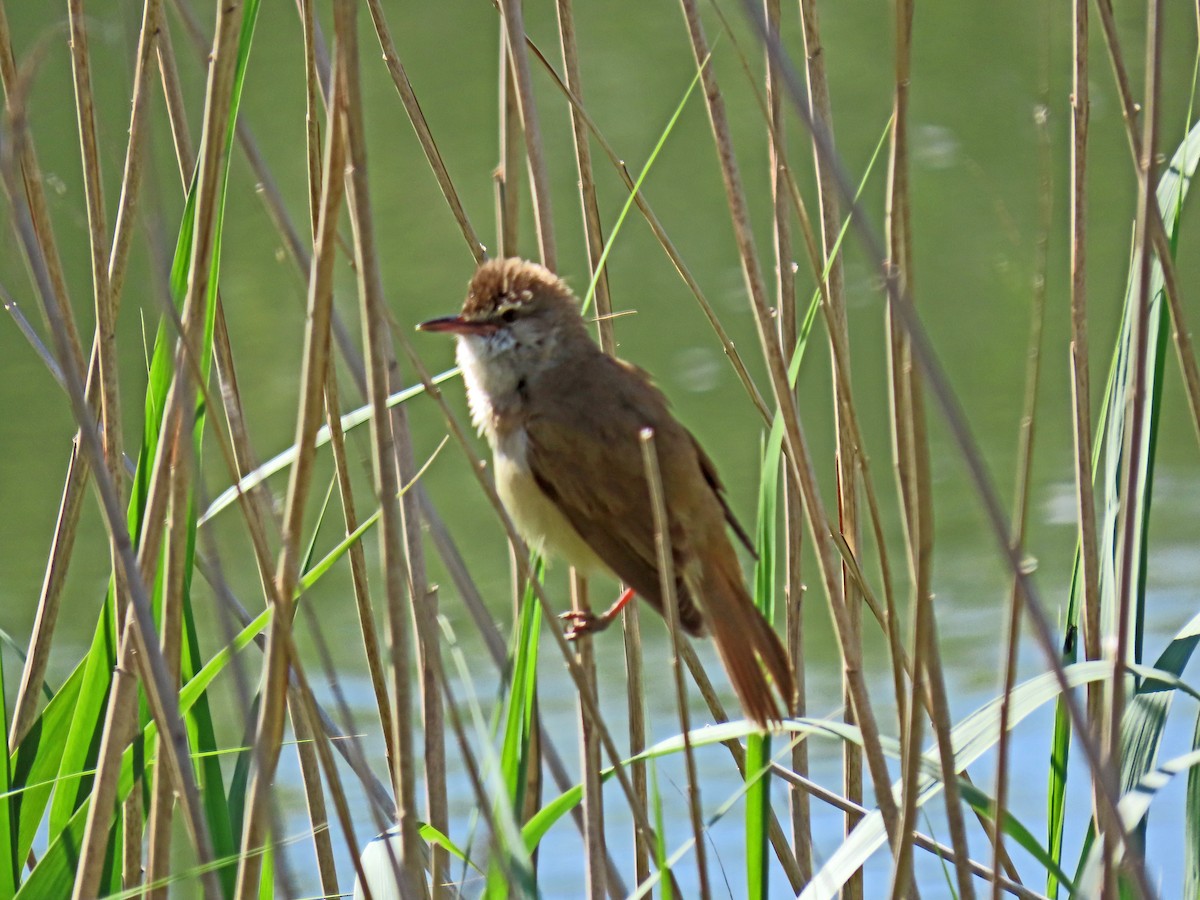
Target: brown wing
{"x": 587, "y": 459}
{"x": 714, "y": 481}
{"x": 707, "y": 467}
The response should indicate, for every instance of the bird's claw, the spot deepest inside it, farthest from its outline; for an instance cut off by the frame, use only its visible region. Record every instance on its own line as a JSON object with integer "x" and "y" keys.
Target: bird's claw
{"x": 582, "y": 622}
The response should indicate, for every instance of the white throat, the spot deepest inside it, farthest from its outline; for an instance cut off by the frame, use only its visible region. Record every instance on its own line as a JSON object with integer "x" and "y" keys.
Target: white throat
{"x": 490, "y": 376}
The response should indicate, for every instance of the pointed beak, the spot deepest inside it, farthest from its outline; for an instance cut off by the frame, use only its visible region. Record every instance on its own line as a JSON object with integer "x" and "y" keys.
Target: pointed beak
{"x": 456, "y": 325}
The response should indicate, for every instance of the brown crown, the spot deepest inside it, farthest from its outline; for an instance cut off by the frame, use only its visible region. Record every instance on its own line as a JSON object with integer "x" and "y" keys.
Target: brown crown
{"x": 512, "y": 281}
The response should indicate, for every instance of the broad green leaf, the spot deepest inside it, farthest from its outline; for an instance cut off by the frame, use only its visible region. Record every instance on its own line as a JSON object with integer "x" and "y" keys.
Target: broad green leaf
{"x": 35, "y": 763}
{"x": 1172, "y": 190}
{"x": 78, "y": 753}
{"x": 971, "y": 738}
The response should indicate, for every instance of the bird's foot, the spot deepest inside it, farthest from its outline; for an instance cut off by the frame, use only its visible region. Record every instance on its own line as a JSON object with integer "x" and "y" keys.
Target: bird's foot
{"x": 582, "y": 622}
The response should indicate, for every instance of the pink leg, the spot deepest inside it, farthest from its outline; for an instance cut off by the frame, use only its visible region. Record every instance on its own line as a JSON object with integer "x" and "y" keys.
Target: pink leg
{"x": 587, "y": 622}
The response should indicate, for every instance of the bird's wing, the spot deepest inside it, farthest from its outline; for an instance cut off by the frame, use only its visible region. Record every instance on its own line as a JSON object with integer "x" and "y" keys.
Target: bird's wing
{"x": 600, "y": 491}
{"x": 714, "y": 481}
{"x": 589, "y": 463}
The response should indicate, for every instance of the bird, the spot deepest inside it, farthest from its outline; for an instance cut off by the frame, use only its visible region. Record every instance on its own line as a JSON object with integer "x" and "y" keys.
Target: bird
{"x": 563, "y": 419}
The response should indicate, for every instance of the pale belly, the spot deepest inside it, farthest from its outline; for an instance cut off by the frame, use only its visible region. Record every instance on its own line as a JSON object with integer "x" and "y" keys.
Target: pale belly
{"x": 542, "y": 526}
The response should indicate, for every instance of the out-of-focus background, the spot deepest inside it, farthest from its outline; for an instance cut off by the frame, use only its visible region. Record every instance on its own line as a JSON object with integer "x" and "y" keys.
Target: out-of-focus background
{"x": 984, "y": 75}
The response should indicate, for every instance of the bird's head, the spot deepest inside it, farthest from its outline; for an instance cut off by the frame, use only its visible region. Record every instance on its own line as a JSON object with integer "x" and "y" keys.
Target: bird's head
{"x": 513, "y": 305}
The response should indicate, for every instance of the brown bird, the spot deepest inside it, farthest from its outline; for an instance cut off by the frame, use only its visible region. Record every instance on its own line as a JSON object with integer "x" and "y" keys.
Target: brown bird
{"x": 563, "y": 419}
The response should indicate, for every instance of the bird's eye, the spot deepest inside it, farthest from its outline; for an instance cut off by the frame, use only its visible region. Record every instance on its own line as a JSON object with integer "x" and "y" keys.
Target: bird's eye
{"x": 509, "y": 315}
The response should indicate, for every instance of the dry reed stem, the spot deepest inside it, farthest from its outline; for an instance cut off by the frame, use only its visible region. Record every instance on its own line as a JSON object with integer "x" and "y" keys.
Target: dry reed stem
{"x": 314, "y": 804}
{"x": 539, "y": 186}
{"x": 910, "y": 458}
{"x": 507, "y": 176}
{"x": 789, "y": 330}
{"x": 425, "y": 614}
{"x": 593, "y": 230}
{"x": 424, "y": 136}
{"x": 594, "y": 844}
{"x": 62, "y": 544}
{"x": 313, "y": 100}
{"x": 162, "y": 797}
{"x": 593, "y": 234}
{"x": 847, "y": 446}
{"x": 636, "y": 716}
{"x": 379, "y": 358}
{"x": 1024, "y": 481}
{"x": 163, "y": 702}
{"x": 15, "y": 87}
{"x": 497, "y": 650}
{"x": 269, "y": 731}
{"x": 952, "y": 412}
{"x": 173, "y": 97}
{"x": 1130, "y": 112}
{"x": 424, "y": 598}
{"x": 105, "y": 339}
{"x": 314, "y": 801}
{"x": 33, "y": 674}
{"x": 670, "y": 603}
{"x": 921, "y": 513}
{"x": 1132, "y": 501}
{"x": 1081, "y": 393}
{"x": 267, "y": 187}
{"x": 923, "y": 841}
{"x": 798, "y": 455}
{"x": 120, "y": 726}
{"x": 354, "y": 363}
{"x": 660, "y": 234}
{"x": 358, "y": 570}
{"x": 708, "y": 693}
{"x": 306, "y": 718}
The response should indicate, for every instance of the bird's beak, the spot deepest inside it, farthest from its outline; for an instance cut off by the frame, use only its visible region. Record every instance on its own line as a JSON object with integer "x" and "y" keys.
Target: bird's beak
{"x": 457, "y": 325}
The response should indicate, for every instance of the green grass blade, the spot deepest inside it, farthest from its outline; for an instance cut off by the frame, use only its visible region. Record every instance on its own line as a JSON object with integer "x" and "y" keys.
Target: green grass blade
{"x": 9, "y": 866}
{"x": 281, "y": 461}
{"x": 660, "y": 842}
{"x": 758, "y": 747}
{"x": 758, "y": 815}
{"x": 637, "y": 185}
{"x": 519, "y": 717}
{"x": 772, "y": 455}
{"x": 1191, "y": 827}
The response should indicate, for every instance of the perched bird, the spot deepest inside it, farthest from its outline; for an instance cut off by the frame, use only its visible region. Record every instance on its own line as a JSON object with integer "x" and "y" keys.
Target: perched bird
{"x": 563, "y": 419}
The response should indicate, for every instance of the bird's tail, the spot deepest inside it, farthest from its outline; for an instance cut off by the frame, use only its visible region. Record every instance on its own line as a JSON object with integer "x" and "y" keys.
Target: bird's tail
{"x": 749, "y": 648}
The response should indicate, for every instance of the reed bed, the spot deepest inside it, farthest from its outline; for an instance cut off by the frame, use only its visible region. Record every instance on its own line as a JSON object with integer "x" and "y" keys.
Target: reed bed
{"x": 201, "y": 740}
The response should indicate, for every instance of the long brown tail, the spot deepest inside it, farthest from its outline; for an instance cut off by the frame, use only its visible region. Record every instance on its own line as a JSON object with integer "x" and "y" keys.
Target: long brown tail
{"x": 749, "y": 648}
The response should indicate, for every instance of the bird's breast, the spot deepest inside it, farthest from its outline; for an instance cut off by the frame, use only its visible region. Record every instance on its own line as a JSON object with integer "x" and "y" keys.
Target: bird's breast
{"x": 536, "y": 516}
